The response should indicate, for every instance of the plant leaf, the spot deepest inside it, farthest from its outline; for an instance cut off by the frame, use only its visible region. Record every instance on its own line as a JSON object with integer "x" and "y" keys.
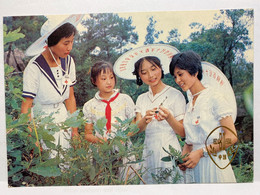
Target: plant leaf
{"x": 166, "y": 159}
{"x": 51, "y": 171}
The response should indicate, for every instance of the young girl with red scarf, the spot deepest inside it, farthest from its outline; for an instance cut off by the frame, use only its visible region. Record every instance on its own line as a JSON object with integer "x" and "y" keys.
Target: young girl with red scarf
{"x": 108, "y": 102}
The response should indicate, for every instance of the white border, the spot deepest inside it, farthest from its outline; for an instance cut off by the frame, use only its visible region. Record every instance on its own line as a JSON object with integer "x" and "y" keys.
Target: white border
{"x": 40, "y": 7}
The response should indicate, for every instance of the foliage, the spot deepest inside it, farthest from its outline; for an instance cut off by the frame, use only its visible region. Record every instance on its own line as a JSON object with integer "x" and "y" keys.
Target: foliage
{"x": 176, "y": 158}
{"x": 248, "y": 97}
{"x": 11, "y": 36}
{"x": 13, "y": 84}
{"x": 245, "y": 154}
{"x": 175, "y": 155}
{"x": 104, "y": 39}
{"x": 13, "y": 93}
{"x": 152, "y": 34}
{"x": 223, "y": 44}
{"x": 174, "y": 36}
{"x": 245, "y": 173}
{"x": 243, "y": 164}
{"x": 103, "y": 163}
{"x": 82, "y": 164}
{"x": 109, "y": 33}
{"x": 28, "y": 25}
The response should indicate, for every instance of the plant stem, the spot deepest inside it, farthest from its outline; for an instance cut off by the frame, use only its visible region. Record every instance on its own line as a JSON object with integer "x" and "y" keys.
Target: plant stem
{"x": 37, "y": 138}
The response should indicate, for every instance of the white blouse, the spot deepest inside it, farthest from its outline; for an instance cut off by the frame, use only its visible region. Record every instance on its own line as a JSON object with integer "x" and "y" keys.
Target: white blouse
{"x": 202, "y": 118}
{"x": 122, "y": 107}
{"x": 171, "y": 98}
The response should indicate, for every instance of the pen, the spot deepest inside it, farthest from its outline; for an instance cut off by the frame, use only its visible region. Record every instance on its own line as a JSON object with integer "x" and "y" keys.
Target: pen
{"x": 157, "y": 111}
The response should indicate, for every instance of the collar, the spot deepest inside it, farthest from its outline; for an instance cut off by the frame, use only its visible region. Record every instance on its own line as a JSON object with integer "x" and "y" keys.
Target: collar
{"x": 152, "y": 97}
{"x": 190, "y": 107}
{"x": 97, "y": 96}
{"x": 46, "y": 70}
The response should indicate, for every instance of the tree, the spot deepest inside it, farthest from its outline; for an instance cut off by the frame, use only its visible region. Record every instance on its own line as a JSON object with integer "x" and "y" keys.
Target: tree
{"x": 30, "y": 27}
{"x": 152, "y": 34}
{"x": 108, "y": 35}
{"x": 174, "y": 36}
{"x": 225, "y": 43}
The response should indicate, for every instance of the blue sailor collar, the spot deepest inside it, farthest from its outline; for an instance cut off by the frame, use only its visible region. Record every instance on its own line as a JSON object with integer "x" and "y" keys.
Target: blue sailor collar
{"x": 42, "y": 64}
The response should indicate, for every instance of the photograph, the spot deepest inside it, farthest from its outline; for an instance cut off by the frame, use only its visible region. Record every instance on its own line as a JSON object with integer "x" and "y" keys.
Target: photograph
{"x": 119, "y": 100}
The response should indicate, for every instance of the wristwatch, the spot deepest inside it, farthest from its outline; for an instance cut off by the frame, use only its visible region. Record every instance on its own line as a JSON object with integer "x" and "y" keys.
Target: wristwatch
{"x": 205, "y": 152}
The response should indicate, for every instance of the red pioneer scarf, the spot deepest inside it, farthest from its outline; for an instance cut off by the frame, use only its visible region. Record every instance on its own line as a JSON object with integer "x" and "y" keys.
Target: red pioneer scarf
{"x": 108, "y": 111}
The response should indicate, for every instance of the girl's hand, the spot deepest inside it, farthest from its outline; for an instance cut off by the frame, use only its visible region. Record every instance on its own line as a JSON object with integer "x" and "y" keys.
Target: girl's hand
{"x": 149, "y": 115}
{"x": 163, "y": 113}
{"x": 102, "y": 140}
{"x": 193, "y": 158}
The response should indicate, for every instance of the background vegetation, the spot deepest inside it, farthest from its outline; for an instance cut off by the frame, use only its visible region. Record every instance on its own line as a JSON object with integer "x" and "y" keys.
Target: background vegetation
{"x": 106, "y": 37}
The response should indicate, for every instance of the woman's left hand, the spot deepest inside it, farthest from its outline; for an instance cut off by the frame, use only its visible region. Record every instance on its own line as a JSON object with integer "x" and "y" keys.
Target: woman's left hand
{"x": 193, "y": 158}
{"x": 163, "y": 113}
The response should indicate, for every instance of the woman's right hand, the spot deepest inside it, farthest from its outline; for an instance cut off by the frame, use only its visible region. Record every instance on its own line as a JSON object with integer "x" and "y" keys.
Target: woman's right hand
{"x": 182, "y": 166}
{"x": 185, "y": 151}
{"x": 149, "y": 115}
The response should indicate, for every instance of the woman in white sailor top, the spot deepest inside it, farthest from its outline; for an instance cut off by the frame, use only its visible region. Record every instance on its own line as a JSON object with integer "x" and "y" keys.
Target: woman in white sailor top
{"x": 49, "y": 76}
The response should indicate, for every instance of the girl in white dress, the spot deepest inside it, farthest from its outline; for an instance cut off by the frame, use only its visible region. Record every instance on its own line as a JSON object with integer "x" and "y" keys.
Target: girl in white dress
{"x": 206, "y": 111}
{"x": 159, "y": 113}
{"x": 109, "y": 103}
{"x": 49, "y": 77}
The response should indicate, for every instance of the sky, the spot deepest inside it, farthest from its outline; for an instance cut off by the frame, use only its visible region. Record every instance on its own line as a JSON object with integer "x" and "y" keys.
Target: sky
{"x": 166, "y": 21}
{"x": 179, "y": 20}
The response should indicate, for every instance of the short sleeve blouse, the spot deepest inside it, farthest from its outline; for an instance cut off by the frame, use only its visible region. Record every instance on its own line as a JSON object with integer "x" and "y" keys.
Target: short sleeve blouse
{"x": 122, "y": 107}
{"x": 201, "y": 119}
{"x": 40, "y": 84}
{"x": 172, "y": 99}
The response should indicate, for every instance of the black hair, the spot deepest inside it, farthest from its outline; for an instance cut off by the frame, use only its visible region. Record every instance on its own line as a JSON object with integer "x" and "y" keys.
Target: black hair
{"x": 97, "y": 68}
{"x": 65, "y": 30}
{"x": 189, "y": 61}
{"x": 153, "y": 60}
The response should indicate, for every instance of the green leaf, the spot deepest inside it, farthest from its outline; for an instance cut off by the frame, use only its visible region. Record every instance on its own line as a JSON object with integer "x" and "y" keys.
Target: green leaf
{"x": 12, "y": 36}
{"x": 78, "y": 177}
{"x": 100, "y": 125}
{"x": 72, "y": 120}
{"x": 118, "y": 119}
{"x": 14, "y": 104}
{"x": 46, "y": 136}
{"x": 248, "y": 99}
{"x": 120, "y": 146}
{"x": 167, "y": 151}
{"x": 16, "y": 154}
{"x": 17, "y": 177}
{"x": 51, "y": 171}
{"x": 92, "y": 173}
{"x": 8, "y": 70}
{"x": 14, "y": 170}
{"x": 166, "y": 159}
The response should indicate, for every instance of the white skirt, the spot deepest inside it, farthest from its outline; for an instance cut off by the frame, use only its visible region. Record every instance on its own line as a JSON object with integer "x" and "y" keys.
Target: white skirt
{"x": 59, "y": 114}
{"x": 153, "y": 153}
{"x": 206, "y": 171}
